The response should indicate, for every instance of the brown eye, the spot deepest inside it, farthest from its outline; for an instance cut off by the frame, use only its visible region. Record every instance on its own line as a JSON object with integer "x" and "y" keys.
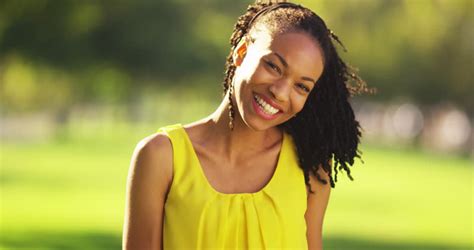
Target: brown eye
{"x": 303, "y": 87}
{"x": 273, "y": 67}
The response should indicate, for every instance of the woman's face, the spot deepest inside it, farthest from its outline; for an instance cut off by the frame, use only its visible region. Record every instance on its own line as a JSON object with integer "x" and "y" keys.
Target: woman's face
{"x": 274, "y": 76}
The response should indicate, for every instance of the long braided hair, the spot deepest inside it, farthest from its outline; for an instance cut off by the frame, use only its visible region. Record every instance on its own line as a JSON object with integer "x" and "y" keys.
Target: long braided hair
{"x": 325, "y": 130}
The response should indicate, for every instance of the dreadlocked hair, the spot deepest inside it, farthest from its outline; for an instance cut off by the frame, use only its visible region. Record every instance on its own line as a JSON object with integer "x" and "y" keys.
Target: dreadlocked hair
{"x": 325, "y": 130}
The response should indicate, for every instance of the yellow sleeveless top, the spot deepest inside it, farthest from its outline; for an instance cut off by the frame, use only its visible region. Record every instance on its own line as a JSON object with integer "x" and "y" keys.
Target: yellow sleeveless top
{"x": 197, "y": 216}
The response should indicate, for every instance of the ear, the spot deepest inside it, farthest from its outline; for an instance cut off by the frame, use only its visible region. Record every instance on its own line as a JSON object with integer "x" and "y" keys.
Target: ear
{"x": 239, "y": 52}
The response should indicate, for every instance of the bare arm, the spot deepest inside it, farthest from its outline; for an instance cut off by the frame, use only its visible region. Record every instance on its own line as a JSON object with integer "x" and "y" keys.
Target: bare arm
{"x": 148, "y": 181}
{"x": 317, "y": 203}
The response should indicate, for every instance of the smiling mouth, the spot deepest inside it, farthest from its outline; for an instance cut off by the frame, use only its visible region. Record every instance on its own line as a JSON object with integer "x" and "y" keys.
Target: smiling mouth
{"x": 267, "y": 108}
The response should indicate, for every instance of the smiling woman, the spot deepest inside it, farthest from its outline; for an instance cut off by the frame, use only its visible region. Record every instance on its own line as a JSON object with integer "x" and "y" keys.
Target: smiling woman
{"x": 274, "y": 59}
{"x": 257, "y": 172}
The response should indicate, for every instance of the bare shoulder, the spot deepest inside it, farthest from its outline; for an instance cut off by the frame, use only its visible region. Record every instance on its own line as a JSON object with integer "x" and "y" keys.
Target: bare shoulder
{"x": 148, "y": 182}
{"x": 152, "y": 160}
{"x": 316, "y": 185}
{"x": 157, "y": 144}
{"x": 317, "y": 204}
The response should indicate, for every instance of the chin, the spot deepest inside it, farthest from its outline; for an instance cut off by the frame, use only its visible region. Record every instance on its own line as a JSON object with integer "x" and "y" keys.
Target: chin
{"x": 257, "y": 124}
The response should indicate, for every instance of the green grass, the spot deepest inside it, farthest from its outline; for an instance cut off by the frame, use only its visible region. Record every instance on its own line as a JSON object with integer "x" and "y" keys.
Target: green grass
{"x": 69, "y": 194}
{"x": 403, "y": 196}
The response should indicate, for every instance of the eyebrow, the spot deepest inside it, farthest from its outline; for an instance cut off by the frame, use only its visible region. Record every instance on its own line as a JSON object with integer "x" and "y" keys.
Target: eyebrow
{"x": 283, "y": 61}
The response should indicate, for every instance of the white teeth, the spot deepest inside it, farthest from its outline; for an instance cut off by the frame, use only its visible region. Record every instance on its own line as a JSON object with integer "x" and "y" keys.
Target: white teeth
{"x": 267, "y": 108}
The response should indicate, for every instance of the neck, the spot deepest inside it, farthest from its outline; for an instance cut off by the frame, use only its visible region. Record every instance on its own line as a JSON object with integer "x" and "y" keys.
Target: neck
{"x": 240, "y": 142}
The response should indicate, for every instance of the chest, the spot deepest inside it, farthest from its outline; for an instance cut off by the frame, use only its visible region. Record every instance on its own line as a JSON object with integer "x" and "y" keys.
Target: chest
{"x": 247, "y": 176}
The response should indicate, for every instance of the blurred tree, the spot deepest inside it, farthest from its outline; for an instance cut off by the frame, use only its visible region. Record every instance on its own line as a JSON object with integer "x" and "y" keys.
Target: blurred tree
{"x": 419, "y": 49}
{"x": 145, "y": 37}
{"x": 422, "y": 50}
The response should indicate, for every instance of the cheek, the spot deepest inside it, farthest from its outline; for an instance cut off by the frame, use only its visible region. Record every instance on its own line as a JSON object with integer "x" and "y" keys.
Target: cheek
{"x": 298, "y": 102}
{"x": 248, "y": 67}
{"x": 257, "y": 73}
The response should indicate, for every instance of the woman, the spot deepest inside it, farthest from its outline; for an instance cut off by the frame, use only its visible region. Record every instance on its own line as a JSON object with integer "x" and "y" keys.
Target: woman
{"x": 257, "y": 172}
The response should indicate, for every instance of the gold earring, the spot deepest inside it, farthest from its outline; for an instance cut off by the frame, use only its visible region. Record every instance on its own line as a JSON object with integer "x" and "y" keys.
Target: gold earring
{"x": 231, "y": 108}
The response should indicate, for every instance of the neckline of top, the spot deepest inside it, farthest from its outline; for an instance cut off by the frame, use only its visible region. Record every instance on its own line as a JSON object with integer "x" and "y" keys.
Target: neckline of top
{"x": 210, "y": 187}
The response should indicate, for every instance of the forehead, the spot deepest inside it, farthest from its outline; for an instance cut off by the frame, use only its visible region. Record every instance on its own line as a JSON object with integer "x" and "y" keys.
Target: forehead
{"x": 301, "y": 51}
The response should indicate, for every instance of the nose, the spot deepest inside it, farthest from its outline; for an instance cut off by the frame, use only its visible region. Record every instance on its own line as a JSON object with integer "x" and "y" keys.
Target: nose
{"x": 281, "y": 90}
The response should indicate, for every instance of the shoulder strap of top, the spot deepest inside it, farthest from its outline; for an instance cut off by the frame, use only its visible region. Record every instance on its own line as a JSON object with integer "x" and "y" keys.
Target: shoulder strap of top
{"x": 185, "y": 166}
{"x": 174, "y": 134}
{"x": 290, "y": 174}
{"x": 178, "y": 142}
{"x": 290, "y": 157}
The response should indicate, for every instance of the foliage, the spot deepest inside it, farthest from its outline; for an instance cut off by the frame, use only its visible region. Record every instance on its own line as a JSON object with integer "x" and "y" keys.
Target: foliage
{"x": 420, "y": 50}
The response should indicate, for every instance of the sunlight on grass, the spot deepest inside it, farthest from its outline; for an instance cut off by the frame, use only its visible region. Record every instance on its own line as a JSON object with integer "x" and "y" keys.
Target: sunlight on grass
{"x": 79, "y": 186}
{"x": 405, "y": 196}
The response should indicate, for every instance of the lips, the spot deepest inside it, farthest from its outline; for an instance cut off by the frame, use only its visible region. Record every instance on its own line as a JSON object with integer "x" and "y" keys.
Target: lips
{"x": 270, "y": 102}
{"x": 265, "y": 107}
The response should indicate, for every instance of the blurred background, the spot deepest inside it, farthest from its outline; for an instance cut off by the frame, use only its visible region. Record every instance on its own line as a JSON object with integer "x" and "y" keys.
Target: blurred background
{"x": 81, "y": 82}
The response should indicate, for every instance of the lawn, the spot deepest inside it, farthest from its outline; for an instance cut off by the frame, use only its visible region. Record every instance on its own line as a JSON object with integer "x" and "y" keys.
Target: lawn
{"x": 69, "y": 194}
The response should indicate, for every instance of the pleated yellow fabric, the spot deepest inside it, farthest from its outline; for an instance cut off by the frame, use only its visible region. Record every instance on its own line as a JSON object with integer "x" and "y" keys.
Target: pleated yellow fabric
{"x": 199, "y": 217}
